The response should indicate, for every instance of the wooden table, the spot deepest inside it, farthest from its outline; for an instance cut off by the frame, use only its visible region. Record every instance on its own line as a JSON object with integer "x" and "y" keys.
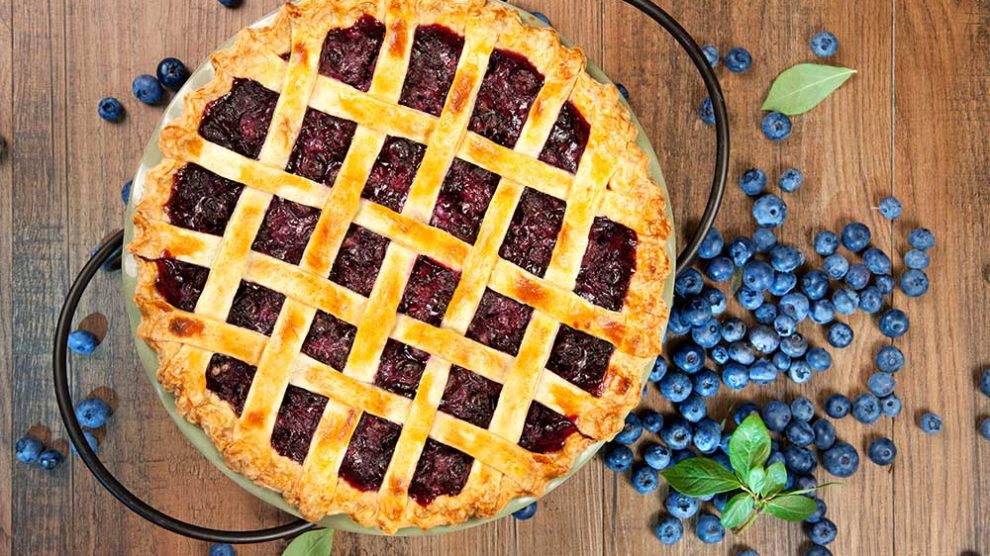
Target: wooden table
{"x": 912, "y": 123}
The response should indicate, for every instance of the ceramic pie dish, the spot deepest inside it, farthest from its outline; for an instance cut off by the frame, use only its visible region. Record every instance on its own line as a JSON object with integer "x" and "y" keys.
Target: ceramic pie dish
{"x": 423, "y": 295}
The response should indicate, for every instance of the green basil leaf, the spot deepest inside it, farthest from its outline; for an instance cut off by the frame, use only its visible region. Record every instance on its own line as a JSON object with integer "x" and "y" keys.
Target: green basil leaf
{"x": 700, "y": 476}
{"x": 775, "y": 481}
{"x": 791, "y": 507}
{"x": 757, "y": 478}
{"x": 749, "y": 446}
{"x": 804, "y": 86}
{"x": 311, "y": 543}
{"x": 737, "y": 510}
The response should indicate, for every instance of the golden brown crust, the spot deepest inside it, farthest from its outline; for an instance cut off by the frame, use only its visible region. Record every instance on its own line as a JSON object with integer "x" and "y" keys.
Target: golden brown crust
{"x": 611, "y": 180}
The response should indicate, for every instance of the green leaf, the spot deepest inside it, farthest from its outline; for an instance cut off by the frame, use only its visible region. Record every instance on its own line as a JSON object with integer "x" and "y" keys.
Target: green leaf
{"x": 775, "y": 481}
{"x": 791, "y": 507}
{"x": 804, "y": 86}
{"x": 700, "y": 477}
{"x": 311, "y": 543}
{"x": 737, "y": 510}
{"x": 749, "y": 446}
{"x": 756, "y": 479}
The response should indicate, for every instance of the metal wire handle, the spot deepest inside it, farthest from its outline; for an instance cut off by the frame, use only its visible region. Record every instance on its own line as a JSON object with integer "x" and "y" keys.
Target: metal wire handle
{"x": 112, "y": 246}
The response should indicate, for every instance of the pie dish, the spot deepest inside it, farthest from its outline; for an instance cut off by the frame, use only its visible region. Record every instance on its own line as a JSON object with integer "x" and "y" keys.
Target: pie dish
{"x": 403, "y": 259}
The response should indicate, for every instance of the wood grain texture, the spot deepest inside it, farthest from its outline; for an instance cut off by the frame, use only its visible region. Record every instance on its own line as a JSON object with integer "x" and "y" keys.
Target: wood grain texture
{"x": 911, "y": 123}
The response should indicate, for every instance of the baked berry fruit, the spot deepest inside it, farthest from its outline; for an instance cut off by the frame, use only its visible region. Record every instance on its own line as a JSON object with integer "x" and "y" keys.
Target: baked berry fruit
{"x": 110, "y": 109}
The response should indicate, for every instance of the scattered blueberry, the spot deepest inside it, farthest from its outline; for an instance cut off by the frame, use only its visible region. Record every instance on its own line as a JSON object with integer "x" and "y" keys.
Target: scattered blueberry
{"x": 709, "y": 529}
{"x": 785, "y": 325}
{"x": 781, "y": 360}
{"x": 894, "y": 323}
{"x": 802, "y": 409}
{"x": 882, "y": 451}
{"x": 985, "y": 382}
{"x": 856, "y": 236}
{"x": 525, "y": 512}
{"x": 711, "y": 54}
{"x": 824, "y": 44}
{"x": 707, "y": 435}
{"x": 884, "y": 283}
{"x": 866, "y": 409}
{"x": 794, "y": 345}
{"x": 147, "y": 89}
{"x": 676, "y": 434}
{"x": 645, "y": 479}
{"x": 776, "y": 126}
{"x": 770, "y": 211}
{"x": 693, "y": 409}
{"x": 823, "y": 532}
{"x": 814, "y": 284}
{"x": 542, "y": 17}
{"x": 876, "y": 261}
{"x": 930, "y": 423}
{"x": 719, "y": 354}
{"x": 744, "y": 411}
{"x": 125, "y": 192}
{"x": 776, "y": 415}
{"x": 719, "y": 269}
{"x": 753, "y": 182}
{"x": 676, "y": 387}
{"x": 826, "y": 243}
{"x": 631, "y": 430}
{"x": 786, "y": 258}
{"x": 881, "y": 383}
{"x": 840, "y": 335}
{"x": 82, "y": 342}
{"x": 712, "y": 245}
{"x": 172, "y": 73}
{"x": 845, "y": 301}
{"x": 817, "y": 550}
{"x": 706, "y": 111}
{"x": 764, "y": 239}
{"x": 985, "y": 428}
{"x": 891, "y": 406}
{"x": 92, "y": 413}
{"x": 27, "y": 449}
{"x": 622, "y": 90}
{"x": 800, "y": 433}
{"x": 820, "y": 511}
{"x": 764, "y": 339}
{"x": 800, "y": 372}
{"x": 734, "y": 330}
{"x": 735, "y": 376}
{"x": 741, "y": 250}
{"x": 689, "y": 357}
{"x": 822, "y": 311}
{"x": 819, "y": 359}
{"x": 659, "y": 369}
{"x": 762, "y": 372}
{"x": 858, "y": 276}
{"x": 657, "y": 456}
{"x": 669, "y": 530}
{"x": 706, "y": 383}
{"x": 688, "y": 283}
{"x": 799, "y": 460}
{"x": 738, "y": 60}
{"x": 921, "y": 238}
{"x": 914, "y": 283}
{"x": 618, "y": 457}
{"x": 652, "y": 421}
{"x": 716, "y": 299}
{"x": 890, "y": 208}
{"x": 680, "y": 506}
{"x": 837, "y": 406}
{"x": 50, "y": 459}
{"x": 841, "y": 459}
{"x": 835, "y": 266}
{"x": 916, "y": 259}
{"x": 223, "y": 549}
{"x": 790, "y": 180}
{"x": 783, "y": 283}
{"x": 91, "y": 441}
{"x": 110, "y": 109}
{"x": 824, "y": 434}
{"x": 870, "y": 299}
{"x": 749, "y": 299}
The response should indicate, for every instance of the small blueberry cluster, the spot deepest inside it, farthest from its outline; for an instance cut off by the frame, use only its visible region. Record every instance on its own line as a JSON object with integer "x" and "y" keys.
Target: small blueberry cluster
{"x": 737, "y": 60}
{"x": 92, "y": 414}
{"x": 171, "y": 73}
{"x": 985, "y": 389}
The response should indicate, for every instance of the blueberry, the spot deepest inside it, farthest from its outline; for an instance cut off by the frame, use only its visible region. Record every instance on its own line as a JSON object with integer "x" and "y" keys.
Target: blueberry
{"x": 822, "y": 532}
{"x": 866, "y": 408}
{"x": 837, "y": 406}
{"x": 542, "y": 17}
{"x": 749, "y": 299}
{"x": 707, "y": 335}
{"x": 776, "y": 414}
{"x": 622, "y": 90}
{"x": 985, "y": 382}
{"x": 719, "y": 269}
{"x": 824, "y": 45}
{"x": 921, "y": 238}
{"x": 525, "y": 512}
{"x": 783, "y": 283}
{"x": 735, "y": 376}
{"x": 876, "y": 261}
{"x": 786, "y": 258}
{"x": 841, "y": 459}
{"x": 820, "y": 510}
{"x": 835, "y": 266}
{"x": 799, "y": 371}
{"x": 802, "y": 409}
{"x": 676, "y": 434}
{"x": 675, "y": 324}
{"x": 776, "y": 126}
{"x": 824, "y": 434}
{"x": 709, "y": 529}
{"x": 757, "y": 275}
{"x": 790, "y": 180}
{"x": 764, "y": 339}
{"x": 229, "y": 4}
{"x": 881, "y": 383}
{"x": 706, "y": 383}
{"x": 707, "y": 435}
{"x": 870, "y": 300}
{"x": 645, "y": 479}
{"x": 775, "y": 457}
{"x": 894, "y": 323}
{"x": 733, "y": 330}
{"x": 890, "y": 208}
{"x": 985, "y": 428}
{"x": 794, "y": 345}
{"x": 689, "y": 357}
{"x": 706, "y": 111}
{"x": 770, "y": 211}
{"x": 856, "y": 236}
{"x": 618, "y": 458}
{"x": 695, "y": 311}
{"x": 688, "y": 283}
{"x": 716, "y": 299}
{"x": 741, "y": 250}
{"x": 681, "y": 455}
{"x": 669, "y": 530}
{"x": 814, "y": 284}
{"x": 226, "y": 549}
{"x": 681, "y": 506}
{"x": 884, "y": 283}
{"x": 719, "y": 354}
{"x": 631, "y": 430}
{"x": 738, "y": 60}
{"x": 822, "y": 311}
{"x": 764, "y": 239}
{"x": 785, "y": 325}
{"x": 819, "y": 359}
{"x": 753, "y": 182}
{"x": 27, "y": 449}
{"x": 762, "y": 372}
{"x": 882, "y": 451}
{"x": 845, "y": 301}
{"x": 741, "y": 353}
{"x": 840, "y": 335}
{"x": 817, "y": 550}
{"x": 858, "y": 276}
{"x": 92, "y": 413}
{"x": 781, "y": 360}
{"x": 82, "y": 342}
{"x": 744, "y": 411}
{"x": 805, "y": 482}
{"x": 711, "y": 54}
{"x": 50, "y": 459}
{"x": 652, "y": 421}
{"x": 147, "y": 89}
{"x": 125, "y": 192}
{"x": 172, "y": 73}
{"x": 914, "y": 282}
{"x": 800, "y": 433}
{"x": 676, "y": 387}
{"x": 916, "y": 259}
{"x": 693, "y": 409}
{"x": 826, "y": 243}
{"x": 110, "y": 109}
{"x": 799, "y": 459}
{"x": 795, "y": 305}
{"x": 657, "y": 456}
{"x": 91, "y": 441}
{"x": 659, "y": 369}
{"x": 712, "y": 245}
{"x": 930, "y": 423}
{"x": 721, "y": 500}
{"x": 891, "y": 406}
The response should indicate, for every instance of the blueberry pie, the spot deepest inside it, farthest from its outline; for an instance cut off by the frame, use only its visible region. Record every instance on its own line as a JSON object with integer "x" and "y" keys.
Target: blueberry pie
{"x": 403, "y": 259}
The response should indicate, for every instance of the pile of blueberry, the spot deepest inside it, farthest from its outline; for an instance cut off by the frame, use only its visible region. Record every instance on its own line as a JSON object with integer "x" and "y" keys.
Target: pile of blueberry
{"x": 92, "y": 414}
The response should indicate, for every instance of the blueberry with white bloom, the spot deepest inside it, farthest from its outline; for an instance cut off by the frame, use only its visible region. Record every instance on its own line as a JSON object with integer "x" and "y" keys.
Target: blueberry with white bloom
{"x": 706, "y": 111}
{"x": 82, "y": 342}
{"x": 776, "y": 415}
{"x": 795, "y": 305}
{"x": 707, "y": 335}
{"x": 716, "y": 299}
{"x": 870, "y": 299}
{"x": 681, "y": 506}
{"x": 706, "y": 383}
{"x": 645, "y": 479}
{"x": 764, "y": 339}
{"x": 524, "y": 513}
{"x": 688, "y": 283}
{"x": 800, "y": 371}
{"x": 733, "y": 330}
{"x": 753, "y": 182}
{"x": 631, "y": 430}
{"x": 783, "y": 283}
{"x": 877, "y": 261}
{"x": 800, "y": 433}
{"x": 27, "y": 449}
{"x": 762, "y": 372}
{"x": 696, "y": 310}
{"x": 743, "y": 411}
{"x": 740, "y": 250}
{"x": 846, "y": 301}
{"x": 890, "y": 208}
{"x": 916, "y": 259}
{"x": 914, "y": 282}
{"x": 930, "y": 423}
{"x": 790, "y": 180}
{"x": 794, "y": 345}
{"x": 826, "y": 243}
{"x": 741, "y": 353}
{"x": 882, "y": 451}
{"x": 891, "y": 406}
{"x": 738, "y": 60}
{"x": 858, "y": 276}
{"x": 660, "y": 367}
{"x": 776, "y": 126}
{"x": 819, "y": 359}
{"x": 711, "y": 54}
{"x": 675, "y": 324}
{"x": 719, "y": 269}
{"x": 735, "y": 376}
{"x": 657, "y": 456}
{"x": 770, "y": 211}
{"x": 784, "y": 325}
{"x": 841, "y": 460}
{"x": 764, "y": 239}
{"x": 689, "y": 357}
{"x": 668, "y": 530}
{"x": 824, "y": 45}
{"x": 921, "y": 238}
{"x": 839, "y": 335}
{"x": 856, "y": 236}
{"x": 881, "y": 383}
{"x": 618, "y": 458}
{"x": 824, "y": 433}
{"x": 781, "y": 360}
{"x": 814, "y": 284}
{"x": 821, "y": 533}
{"x": 147, "y": 89}
{"x": 884, "y": 283}
{"x": 757, "y": 275}
{"x": 676, "y": 386}
{"x": 92, "y": 413}
{"x": 749, "y": 299}
{"x": 802, "y": 409}
{"x": 786, "y": 258}
{"x": 799, "y": 459}
{"x": 822, "y": 311}
{"x": 766, "y": 313}
{"x": 866, "y": 408}
{"x": 835, "y": 266}
{"x": 652, "y": 420}
{"x": 693, "y": 409}
{"x": 719, "y": 354}
{"x": 837, "y": 406}
{"x": 820, "y": 510}
{"x": 707, "y": 435}
{"x": 894, "y": 323}
{"x": 709, "y": 529}
{"x": 712, "y": 245}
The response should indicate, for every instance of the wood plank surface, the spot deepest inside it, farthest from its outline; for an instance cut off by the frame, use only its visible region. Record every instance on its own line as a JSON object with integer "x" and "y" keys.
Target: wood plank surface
{"x": 911, "y": 123}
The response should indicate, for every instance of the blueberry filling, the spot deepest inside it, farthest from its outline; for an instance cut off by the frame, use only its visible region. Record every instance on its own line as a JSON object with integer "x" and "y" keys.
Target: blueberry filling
{"x": 441, "y": 470}
{"x": 608, "y": 264}
{"x": 464, "y": 196}
{"x": 285, "y": 230}
{"x": 180, "y": 283}
{"x": 470, "y": 397}
{"x": 201, "y": 200}
{"x": 329, "y": 340}
{"x": 580, "y": 358}
{"x": 369, "y": 452}
{"x": 393, "y": 173}
{"x": 507, "y": 92}
{"x": 428, "y": 291}
{"x": 435, "y": 52}
{"x": 401, "y": 368}
{"x": 321, "y": 147}
{"x": 568, "y": 138}
{"x": 230, "y": 379}
{"x": 296, "y": 422}
{"x": 359, "y": 260}
{"x": 500, "y": 322}
{"x": 532, "y": 234}
{"x": 545, "y": 430}
{"x": 255, "y": 307}
{"x": 239, "y": 120}
{"x": 350, "y": 54}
